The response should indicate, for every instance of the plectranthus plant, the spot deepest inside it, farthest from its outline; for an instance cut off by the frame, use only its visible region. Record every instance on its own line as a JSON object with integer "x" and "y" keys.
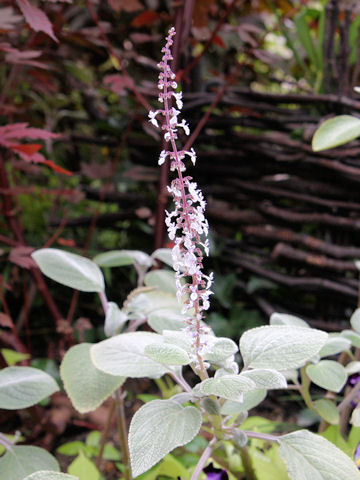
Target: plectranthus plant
{"x": 224, "y": 380}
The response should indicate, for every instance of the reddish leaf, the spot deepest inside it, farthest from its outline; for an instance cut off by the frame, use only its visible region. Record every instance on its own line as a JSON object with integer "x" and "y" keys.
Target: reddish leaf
{"x": 5, "y": 320}
{"x": 8, "y": 18}
{"x": 28, "y": 148}
{"x": 66, "y": 242}
{"x": 118, "y": 83}
{"x": 24, "y": 58}
{"x": 127, "y": 5}
{"x": 57, "y": 168}
{"x": 21, "y": 130}
{"x": 36, "y": 18}
{"x": 21, "y": 257}
{"x": 145, "y": 19}
{"x": 219, "y": 41}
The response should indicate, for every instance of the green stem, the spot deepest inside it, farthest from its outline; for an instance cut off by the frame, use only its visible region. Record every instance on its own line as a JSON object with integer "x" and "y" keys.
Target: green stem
{"x": 304, "y": 389}
{"x": 122, "y": 430}
{"x": 247, "y": 463}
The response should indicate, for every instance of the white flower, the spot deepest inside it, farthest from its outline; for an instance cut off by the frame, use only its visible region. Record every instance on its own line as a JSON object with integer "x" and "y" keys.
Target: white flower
{"x": 152, "y": 118}
{"x": 178, "y": 97}
{"x": 162, "y": 157}
{"x": 185, "y": 126}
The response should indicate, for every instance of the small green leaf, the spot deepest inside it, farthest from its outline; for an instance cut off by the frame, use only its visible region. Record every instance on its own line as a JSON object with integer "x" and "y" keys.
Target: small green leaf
{"x": 352, "y": 336}
{"x": 157, "y": 428}
{"x": 327, "y": 374}
{"x": 70, "y": 269}
{"x": 167, "y": 354}
{"x": 352, "y": 367}
{"x": 166, "y": 320}
{"x": 280, "y": 347}
{"x": 22, "y": 461}
{"x": 327, "y": 410}
{"x": 48, "y": 475}
{"x": 124, "y": 355}
{"x": 309, "y": 456}
{"x": 12, "y": 357}
{"x": 22, "y": 387}
{"x": 355, "y": 417}
{"x": 86, "y": 386}
{"x": 83, "y": 468}
{"x": 71, "y": 448}
{"x": 335, "y": 132}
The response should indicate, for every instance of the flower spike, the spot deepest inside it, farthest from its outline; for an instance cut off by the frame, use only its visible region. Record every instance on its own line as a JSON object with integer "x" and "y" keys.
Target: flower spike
{"x": 187, "y": 225}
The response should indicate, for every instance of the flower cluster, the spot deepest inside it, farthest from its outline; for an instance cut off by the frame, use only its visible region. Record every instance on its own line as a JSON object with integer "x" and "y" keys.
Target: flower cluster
{"x": 187, "y": 225}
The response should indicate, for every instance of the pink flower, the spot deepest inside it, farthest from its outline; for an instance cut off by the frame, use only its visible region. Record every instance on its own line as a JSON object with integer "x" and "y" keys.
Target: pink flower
{"x": 187, "y": 225}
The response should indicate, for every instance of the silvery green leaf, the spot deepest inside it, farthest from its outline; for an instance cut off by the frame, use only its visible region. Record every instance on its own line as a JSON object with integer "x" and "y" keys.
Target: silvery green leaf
{"x": 164, "y": 280}
{"x": 266, "y": 378}
{"x": 250, "y": 400}
{"x": 309, "y": 456}
{"x": 182, "y": 397}
{"x": 144, "y": 304}
{"x": 352, "y": 367}
{"x": 291, "y": 374}
{"x": 221, "y": 372}
{"x": 22, "y": 387}
{"x": 355, "y": 320}
{"x": 231, "y": 387}
{"x": 327, "y": 410}
{"x": 355, "y": 417}
{"x": 124, "y": 355}
{"x": 336, "y": 131}
{"x": 70, "y": 269}
{"x": 164, "y": 255}
{"x": 280, "y": 347}
{"x": 335, "y": 344}
{"x": 210, "y": 405}
{"x": 86, "y": 386}
{"x": 49, "y": 475}
{"x": 21, "y": 461}
{"x": 218, "y": 349}
{"x": 327, "y": 374}
{"x": 352, "y": 336}
{"x": 286, "y": 319}
{"x": 178, "y": 338}
{"x": 167, "y": 354}
{"x": 166, "y": 320}
{"x": 157, "y": 428}
{"x": 120, "y": 258}
{"x": 114, "y": 319}
{"x": 240, "y": 438}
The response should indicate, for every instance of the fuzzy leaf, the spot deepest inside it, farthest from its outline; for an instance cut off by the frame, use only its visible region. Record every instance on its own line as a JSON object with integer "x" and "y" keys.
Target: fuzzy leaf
{"x": 250, "y": 400}
{"x": 352, "y": 367}
{"x": 86, "y": 386}
{"x": 231, "y": 387}
{"x": 166, "y": 320}
{"x": 164, "y": 280}
{"x": 48, "y": 475}
{"x": 22, "y": 461}
{"x": 334, "y": 345}
{"x": 286, "y": 319}
{"x": 309, "y": 456}
{"x": 354, "y": 337}
{"x": 124, "y": 355}
{"x": 355, "y": 320}
{"x": 266, "y": 378}
{"x": 164, "y": 255}
{"x": 114, "y": 319}
{"x": 167, "y": 354}
{"x": 327, "y": 374}
{"x": 335, "y": 132}
{"x": 22, "y": 387}
{"x": 120, "y": 258}
{"x": 218, "y": 349}
{"x": 280, "y": 347}
{"x": 70, "y": 269}
{"x": 157, "y": 428}
{"x": 327, "y": 410}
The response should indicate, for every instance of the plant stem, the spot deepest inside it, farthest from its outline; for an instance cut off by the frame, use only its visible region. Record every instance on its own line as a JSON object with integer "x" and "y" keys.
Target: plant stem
{"x": 203, "y": 459}
{"x": 304, "y": 390}
{"x": 122, "y": 431}
{"x": 349, "y": 398}
{"x": 105, "y": 432}
{"x": 247, "y": 463}
{"x": 262, "y": 436}
{"x": 181, "y": 381}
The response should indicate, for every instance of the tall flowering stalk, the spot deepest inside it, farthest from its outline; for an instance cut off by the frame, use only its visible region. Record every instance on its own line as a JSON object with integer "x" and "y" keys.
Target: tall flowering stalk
{"x": 186, "y": 224}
